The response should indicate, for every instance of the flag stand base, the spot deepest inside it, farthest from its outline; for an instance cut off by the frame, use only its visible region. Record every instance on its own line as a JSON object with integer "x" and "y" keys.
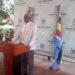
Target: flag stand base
{"x": 57, "y": 69}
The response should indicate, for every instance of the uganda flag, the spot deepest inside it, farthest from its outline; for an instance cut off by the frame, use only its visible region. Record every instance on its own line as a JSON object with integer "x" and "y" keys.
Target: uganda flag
{"x": 58, "y": 44}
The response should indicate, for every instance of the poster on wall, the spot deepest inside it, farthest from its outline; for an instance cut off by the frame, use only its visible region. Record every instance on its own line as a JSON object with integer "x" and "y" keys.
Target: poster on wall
{"x": 45, "y": 16}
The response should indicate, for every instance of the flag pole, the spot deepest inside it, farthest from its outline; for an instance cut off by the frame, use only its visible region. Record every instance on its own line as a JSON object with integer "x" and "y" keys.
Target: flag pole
{"x": 58, "y": 43}
{"x": 58, "y": 11}
{"x": 59, "y": 15}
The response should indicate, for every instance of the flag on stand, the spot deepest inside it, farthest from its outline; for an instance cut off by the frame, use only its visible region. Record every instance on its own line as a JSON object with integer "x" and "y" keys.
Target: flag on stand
{"x": 58, "y": 44}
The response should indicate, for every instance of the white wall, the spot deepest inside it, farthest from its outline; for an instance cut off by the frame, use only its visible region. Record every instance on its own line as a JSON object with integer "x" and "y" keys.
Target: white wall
{"x": 45, "y": 17}
{"x": 1, "y": 63}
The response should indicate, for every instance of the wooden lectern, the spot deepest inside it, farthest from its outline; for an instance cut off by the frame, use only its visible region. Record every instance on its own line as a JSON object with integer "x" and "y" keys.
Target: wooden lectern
{"x": 11, "y": 51}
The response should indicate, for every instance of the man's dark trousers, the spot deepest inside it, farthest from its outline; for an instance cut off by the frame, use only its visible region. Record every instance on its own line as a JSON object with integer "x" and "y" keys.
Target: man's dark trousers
{"x": 28, "y": 66}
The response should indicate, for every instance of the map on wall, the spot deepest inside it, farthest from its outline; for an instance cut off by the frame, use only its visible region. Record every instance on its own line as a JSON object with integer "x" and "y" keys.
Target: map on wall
{"x": 45, "y": 16}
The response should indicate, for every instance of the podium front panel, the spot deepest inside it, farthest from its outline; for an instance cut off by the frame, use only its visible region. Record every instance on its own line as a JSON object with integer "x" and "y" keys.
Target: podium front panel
{"x": 7, "y": 52}
{"x": 1, "y": 63}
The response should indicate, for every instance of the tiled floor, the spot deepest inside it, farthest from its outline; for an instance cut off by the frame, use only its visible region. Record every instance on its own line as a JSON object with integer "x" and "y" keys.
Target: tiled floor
{"x": 42, "y": 71}
{"x": 42, "y": 67}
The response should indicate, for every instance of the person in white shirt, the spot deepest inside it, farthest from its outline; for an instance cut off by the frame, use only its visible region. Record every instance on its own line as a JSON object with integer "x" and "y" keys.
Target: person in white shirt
{"x": 27, "y": 35}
